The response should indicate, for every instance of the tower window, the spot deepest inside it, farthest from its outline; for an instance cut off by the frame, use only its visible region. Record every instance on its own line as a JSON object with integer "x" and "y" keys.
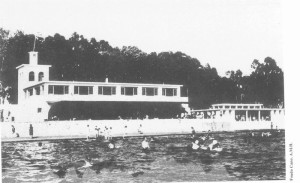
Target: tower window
{"x": 41, "y": 76}
{"x": 31, "y": 76}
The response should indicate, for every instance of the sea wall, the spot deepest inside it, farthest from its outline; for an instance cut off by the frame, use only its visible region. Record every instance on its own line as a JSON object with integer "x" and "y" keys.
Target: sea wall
{"x": 149, "y": 126}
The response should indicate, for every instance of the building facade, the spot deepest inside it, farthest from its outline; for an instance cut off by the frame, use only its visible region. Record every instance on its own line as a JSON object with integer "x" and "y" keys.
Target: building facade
{"x": 37, "y": 94}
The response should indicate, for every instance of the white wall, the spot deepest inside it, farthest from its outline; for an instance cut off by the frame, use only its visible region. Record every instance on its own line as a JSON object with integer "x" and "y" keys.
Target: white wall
{"x": 151, "y": 126}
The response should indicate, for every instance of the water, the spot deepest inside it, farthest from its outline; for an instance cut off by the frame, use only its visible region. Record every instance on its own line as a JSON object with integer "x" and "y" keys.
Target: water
{"x": 169, "y": 160}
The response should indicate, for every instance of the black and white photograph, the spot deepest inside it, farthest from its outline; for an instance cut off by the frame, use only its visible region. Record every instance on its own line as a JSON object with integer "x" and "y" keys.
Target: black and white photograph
{"x": 144, "y": 91}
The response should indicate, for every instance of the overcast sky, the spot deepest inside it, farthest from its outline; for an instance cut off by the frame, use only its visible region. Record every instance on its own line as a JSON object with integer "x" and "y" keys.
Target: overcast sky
{"x": 227, "y": 34}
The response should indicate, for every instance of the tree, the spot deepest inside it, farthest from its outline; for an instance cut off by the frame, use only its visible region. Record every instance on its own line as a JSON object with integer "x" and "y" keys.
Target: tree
{"x": 266, "y": 83}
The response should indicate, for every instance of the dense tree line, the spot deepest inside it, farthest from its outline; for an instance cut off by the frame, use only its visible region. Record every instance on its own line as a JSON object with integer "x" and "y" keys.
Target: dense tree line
{"x": 80, "y": 59}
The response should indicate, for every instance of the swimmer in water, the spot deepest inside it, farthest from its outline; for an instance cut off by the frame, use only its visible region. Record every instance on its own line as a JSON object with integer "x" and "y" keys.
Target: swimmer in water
{"x": 214, "y": 145}
{"x": 145, "y": 144}
{"x": 87, "y": 164}
{"x": 195, "y": 145}
{"x": 111, "y": 145}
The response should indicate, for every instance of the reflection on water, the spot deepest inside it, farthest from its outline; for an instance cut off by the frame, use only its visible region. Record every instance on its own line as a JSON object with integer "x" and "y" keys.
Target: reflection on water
{"x": 168, "y": 160}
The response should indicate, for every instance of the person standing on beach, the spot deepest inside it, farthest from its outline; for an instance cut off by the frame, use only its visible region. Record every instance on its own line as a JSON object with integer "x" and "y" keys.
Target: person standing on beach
{"x": 110, "y": 133}
{"x": 105, "y": 133}
{"x": 31, "y": 130}
{"x": 193, "y": 132}
{"x": 140, "y": 129}
{"x": 125, "y": 131}
{"x": 271, "y": 125}
{"x": 88, "y": 132}
{"x": 13, "y": 130}
{"x": 97, "y": 132}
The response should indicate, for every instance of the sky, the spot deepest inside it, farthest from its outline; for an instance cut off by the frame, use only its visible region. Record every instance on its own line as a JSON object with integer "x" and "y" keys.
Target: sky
{"x": 226, "y": 34}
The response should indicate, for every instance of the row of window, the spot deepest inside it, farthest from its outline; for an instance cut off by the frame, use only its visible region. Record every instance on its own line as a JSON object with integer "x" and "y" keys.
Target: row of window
{"x": 109, "y": 90}
{"x": 38, "y": 90}
{"x": 31, "y": 76}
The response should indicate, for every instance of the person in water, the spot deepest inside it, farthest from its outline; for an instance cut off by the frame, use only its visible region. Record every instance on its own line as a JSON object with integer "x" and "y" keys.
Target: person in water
{"x": 195, "y": 145}
{"x": 111, "y": 145}
{"x": 145, "y": 144}
{"x": 215, "y": 144}
{"x": 265, "y": 134}
{"x": 208, "y": 136}
{"x": 251, "y": 134}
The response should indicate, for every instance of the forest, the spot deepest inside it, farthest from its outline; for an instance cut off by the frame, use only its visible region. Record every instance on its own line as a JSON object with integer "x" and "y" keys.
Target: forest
{"x": 80, "y": 59}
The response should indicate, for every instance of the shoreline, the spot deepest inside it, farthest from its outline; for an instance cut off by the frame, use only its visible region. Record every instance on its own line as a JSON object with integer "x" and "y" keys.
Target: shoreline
{"x": 83, "y": 137}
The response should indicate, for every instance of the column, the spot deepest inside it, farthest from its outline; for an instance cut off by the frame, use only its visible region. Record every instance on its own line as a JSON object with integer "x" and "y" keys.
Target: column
{"x": 159, "y": 91}
{"x": 71, "y": 89}
{"x": 139, "y": 91}
{"x": 95, "y": 90}
{"x": 42, "y": 90}
{"x": 118, "y": 90}
{"x": 178, "y": 91}
{"x": 247, "y": 118}
{"x": 46, "y": 86}
{"x": 259, "y": 116}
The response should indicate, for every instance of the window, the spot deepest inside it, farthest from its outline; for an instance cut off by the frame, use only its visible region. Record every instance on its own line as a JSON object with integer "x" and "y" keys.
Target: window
{"x": 41, "y": 76}
{"x": 83, "y": 90}
{"x": 30, "y": 91}
{"x": 149, "y": 91}
{"x": 37, "y": 90}
{"x": 129, "y": 91}
{"x": 39, "y": 110}
{"x": 31, "y": 76}
{"x": 106, "y": 90}
{"x": 58, "y": 89}
{"x": 169, "y": 91}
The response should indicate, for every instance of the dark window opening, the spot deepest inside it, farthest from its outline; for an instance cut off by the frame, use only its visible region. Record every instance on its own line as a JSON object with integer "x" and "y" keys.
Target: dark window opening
{"x": 58, "y": 89}
{"x": 129, "y": 90}
{"x": 149, "y": 91}
{"x": 41, "y": 76}
{"x": 31, "y": 76}
{"x": 37, "y": 91}
{"x": 83, "y": 90}
{"x": 30, "y": 91}
{"x": 169, "y": 91}
{"x": 106, "y": 90}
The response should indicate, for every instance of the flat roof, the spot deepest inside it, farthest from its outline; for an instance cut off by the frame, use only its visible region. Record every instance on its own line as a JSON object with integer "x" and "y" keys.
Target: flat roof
{"x": 261, "y": 109}
{"x": 31, "y": 65}
{"x": 83, "y": 83}
{"x": 232, "y": 104}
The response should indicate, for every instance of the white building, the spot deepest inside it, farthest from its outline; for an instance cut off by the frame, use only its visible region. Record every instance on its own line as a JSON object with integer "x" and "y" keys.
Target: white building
{"x": 242, "y": 113}
{"x": 37, "y": 94}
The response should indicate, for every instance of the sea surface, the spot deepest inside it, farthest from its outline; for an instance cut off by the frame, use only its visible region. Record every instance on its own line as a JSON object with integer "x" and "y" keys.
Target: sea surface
{"x": 242, "y": 158}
